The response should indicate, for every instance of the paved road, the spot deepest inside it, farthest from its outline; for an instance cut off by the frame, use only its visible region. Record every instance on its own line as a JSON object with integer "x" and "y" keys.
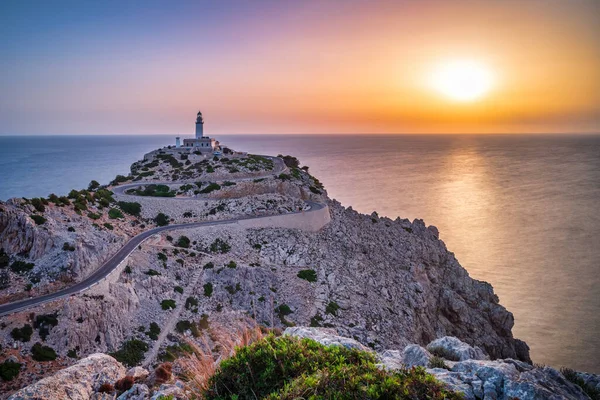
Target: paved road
{"x": 112, "y": 263}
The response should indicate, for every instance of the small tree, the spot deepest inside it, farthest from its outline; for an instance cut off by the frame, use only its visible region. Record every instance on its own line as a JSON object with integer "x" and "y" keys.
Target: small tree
{"x": 161, "y": 219}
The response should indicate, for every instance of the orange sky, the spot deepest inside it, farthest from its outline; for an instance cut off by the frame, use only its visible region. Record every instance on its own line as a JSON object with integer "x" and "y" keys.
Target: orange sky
{"x": 316, "y": 67}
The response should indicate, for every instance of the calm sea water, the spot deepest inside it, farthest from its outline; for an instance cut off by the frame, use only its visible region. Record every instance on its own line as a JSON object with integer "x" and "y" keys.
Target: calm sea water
{"x": 521, "y": 212}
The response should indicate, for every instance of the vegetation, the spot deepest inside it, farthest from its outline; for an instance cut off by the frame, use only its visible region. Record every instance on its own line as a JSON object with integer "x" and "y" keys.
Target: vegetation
{"x": 444, "y": 353}
{"x": 332, "y": 308}
{"x": 4, "y": 259}
{"x": 178, "y": 289}
{"x": 152, "y": 272}
{"x": 308, "y": 274}
{"x": 231, "y": 264}
{"x": 108, "y": 226}
{"x": 183, "y": 241}
{"x": 115, "y": 213}
{"x": 44, "y": 322}
{"x": 22, "y": 334}
{"x": 38, "y": 219}
{"x": 208, "y": 289}
{"x": 211, "y": 188}
{"x": 290, "y": 368}
{"x": 93, "y": 185}
{"x": 132, "y": 352}
{"x": 191, "y": 303}
{"x": 220, "y": 246}
{"x": 154, "y": 191}
{"x": 154, "y": 331}
{"x": 161, "y": 219}
{"x": 68, "y": 247}
{"x": 9, "y": 370}
{"x": 572, "y": 376}
{"x": 168, "y": 304}
{"x": 437, "y": 362}
{"x": 208, "y": 265}
{"x": 94, "y": 216}
{"x": 42, "y": 353}
{"x": 20, "y": 267}
{"x": 131, "y": 208}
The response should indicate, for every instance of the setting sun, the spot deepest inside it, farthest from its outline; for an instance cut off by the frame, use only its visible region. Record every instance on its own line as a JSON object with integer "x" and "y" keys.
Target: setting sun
{"x": 462, "y": 80}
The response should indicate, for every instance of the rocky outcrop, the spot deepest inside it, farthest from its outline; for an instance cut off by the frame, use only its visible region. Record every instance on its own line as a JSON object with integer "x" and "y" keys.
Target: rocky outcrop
{"x": 325, "y": 336}
{"x": 476, "y": 378}
{"x": 78, "y": 382}
{"x": 457, "y": 350}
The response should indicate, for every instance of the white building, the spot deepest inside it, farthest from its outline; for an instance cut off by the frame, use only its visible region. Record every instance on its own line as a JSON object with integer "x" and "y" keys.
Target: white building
{"x": 200, "y": 143}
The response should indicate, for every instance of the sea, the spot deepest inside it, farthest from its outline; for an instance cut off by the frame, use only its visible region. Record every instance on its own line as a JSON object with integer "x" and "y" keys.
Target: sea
{"x": 521, "y": 212}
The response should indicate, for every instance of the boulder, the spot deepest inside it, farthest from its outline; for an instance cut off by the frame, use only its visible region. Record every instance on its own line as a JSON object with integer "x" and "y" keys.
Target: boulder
{"x": 77, "y": 382}
{"x": 325, "y": 336}
{"x": 137, "y": 392}
{"x": 138, "y": 373}
{"x": 454, "y": 349}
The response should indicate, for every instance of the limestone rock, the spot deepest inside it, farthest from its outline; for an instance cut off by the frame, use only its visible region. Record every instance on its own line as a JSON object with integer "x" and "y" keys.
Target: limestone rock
{"x": 325, "y": 336}
{"x": 136, "y": 392}
{"x": 138, "y": 373}
{"x": 459, "y": 350}
{"x": 77, "y": 382}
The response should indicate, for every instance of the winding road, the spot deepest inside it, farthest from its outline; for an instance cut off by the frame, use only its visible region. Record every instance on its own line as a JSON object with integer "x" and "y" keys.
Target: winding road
{"x": 113, "y": 262}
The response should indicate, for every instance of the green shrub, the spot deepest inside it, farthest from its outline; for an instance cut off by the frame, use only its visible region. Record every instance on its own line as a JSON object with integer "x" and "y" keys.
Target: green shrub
{"x": 291, "y": 368}
{"x": 211, "y": 188}
{"x": 178, "y": 289}
{"x": 108, "y": 226}
{"x": 94, "y": 216}
{"x": 9, "y": 370}
{"x": 72, "y": 353}
{"x": 208, "y": 265}
{"x": 22, "y": 334}
{"x": 71, "y": 229}
{"x": 20, "y": 267}
{"x": 154, "y": 331}
{"x": 152, "y": 272}
{"x": 131, "y": 208}
{"x": 191, "y": 302}
{"x": 332, "y": 308}
{"x": 231, "y": 264}
{"x": 315, "y": 321}
{"x": 38, "y": 204}
{"x": 168, "y": 304}
{"x": 131, "y": 353}
{"x": 115, "y": 213}
{"x": 572, "y": 376}
{"x": 437, "y": 362}
{"x": 183, "y": 241}
{"x": 127, "y": 270}
{"x": 44, "y": 322}
{"x": 93, "y": 185}
{"x": 308, "y": 274}
{"x": 42, "y": 353}
{"x": 38, "y": 219}
{"x": 220, "y": 246}
{"x": 183, "y": 326}
{"x": 208, "y": 289}
{"x": 161, "y": 219}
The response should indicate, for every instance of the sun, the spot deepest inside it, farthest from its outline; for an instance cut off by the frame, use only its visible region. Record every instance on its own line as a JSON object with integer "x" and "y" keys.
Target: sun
{"x": 462, "y": 80}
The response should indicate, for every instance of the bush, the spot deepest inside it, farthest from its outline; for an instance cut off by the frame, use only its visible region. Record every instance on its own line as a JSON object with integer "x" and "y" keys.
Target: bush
{"x": 163, "y": 373}
{"x": 38, "y": 219}
{"x": 332, "y": 308}
{"x": 115, "y": 213}
{"x": 211, "y": 188}
{"x": 308, "y": 274}
{"x": 290, "y": 368}
{"x": 71, "y": 229}
{"x": 161, "y": 219}
{"x": 93, "y": 185}
{"x": 44, "y": 322}
{"x": 588, "y": 389}
{"x": 437, "y": 362}
{"x": 72, "y": 353}
{"x": 108, "y": 226}
{"x": 208, "y": 265}
{"x": 183, "y": 326}
{"x": 125, "y": 383}
{"x": 154, "y": 331}
{"x": 68, "y": 247}
{"x": 178, "y": 289}
{"x": 20, "y": 267}
{"x": 106, "y": 388}
{"x": 132, "y": 352}
{"x": 191, "y": 302}
{"x": 42, "y": 353}
{"x": 168, "y": 304}
{"x": 152, "y": 272}
{"x": 183, "y": 241}
{"x": 38, "y": 204}
{"x": 231, "y": 264}
{"x": 220, "y": 246}
{"x": 94, "y": 216}
{"x": 130, "y": 208}
{"x": 208, "y": 289}
{"x": 119, "y": 179}
{"x": 9, "y": 370}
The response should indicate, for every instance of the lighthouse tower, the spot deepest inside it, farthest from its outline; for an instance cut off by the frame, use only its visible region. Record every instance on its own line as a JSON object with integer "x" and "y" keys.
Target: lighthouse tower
{"x": 199, "y": 126}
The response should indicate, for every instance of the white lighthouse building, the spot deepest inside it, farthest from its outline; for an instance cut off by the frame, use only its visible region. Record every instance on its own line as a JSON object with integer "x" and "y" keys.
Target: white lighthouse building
{"x": 200, "y": 143}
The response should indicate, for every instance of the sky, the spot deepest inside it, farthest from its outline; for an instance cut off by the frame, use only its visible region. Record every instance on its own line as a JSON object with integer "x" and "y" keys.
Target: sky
{"x": 147, "y": 67}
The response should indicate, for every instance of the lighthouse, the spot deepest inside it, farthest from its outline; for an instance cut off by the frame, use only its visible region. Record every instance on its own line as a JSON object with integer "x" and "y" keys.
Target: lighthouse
{"x": 199, "y": 126}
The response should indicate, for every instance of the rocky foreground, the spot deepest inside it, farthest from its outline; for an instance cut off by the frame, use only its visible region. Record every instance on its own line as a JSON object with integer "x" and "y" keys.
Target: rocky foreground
{"x": 385, "y": 283}
{"x": 464, "y": 369}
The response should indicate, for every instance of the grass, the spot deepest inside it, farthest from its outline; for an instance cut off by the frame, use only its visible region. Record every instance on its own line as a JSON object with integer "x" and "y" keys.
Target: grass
{"x": 291, "y": 368}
